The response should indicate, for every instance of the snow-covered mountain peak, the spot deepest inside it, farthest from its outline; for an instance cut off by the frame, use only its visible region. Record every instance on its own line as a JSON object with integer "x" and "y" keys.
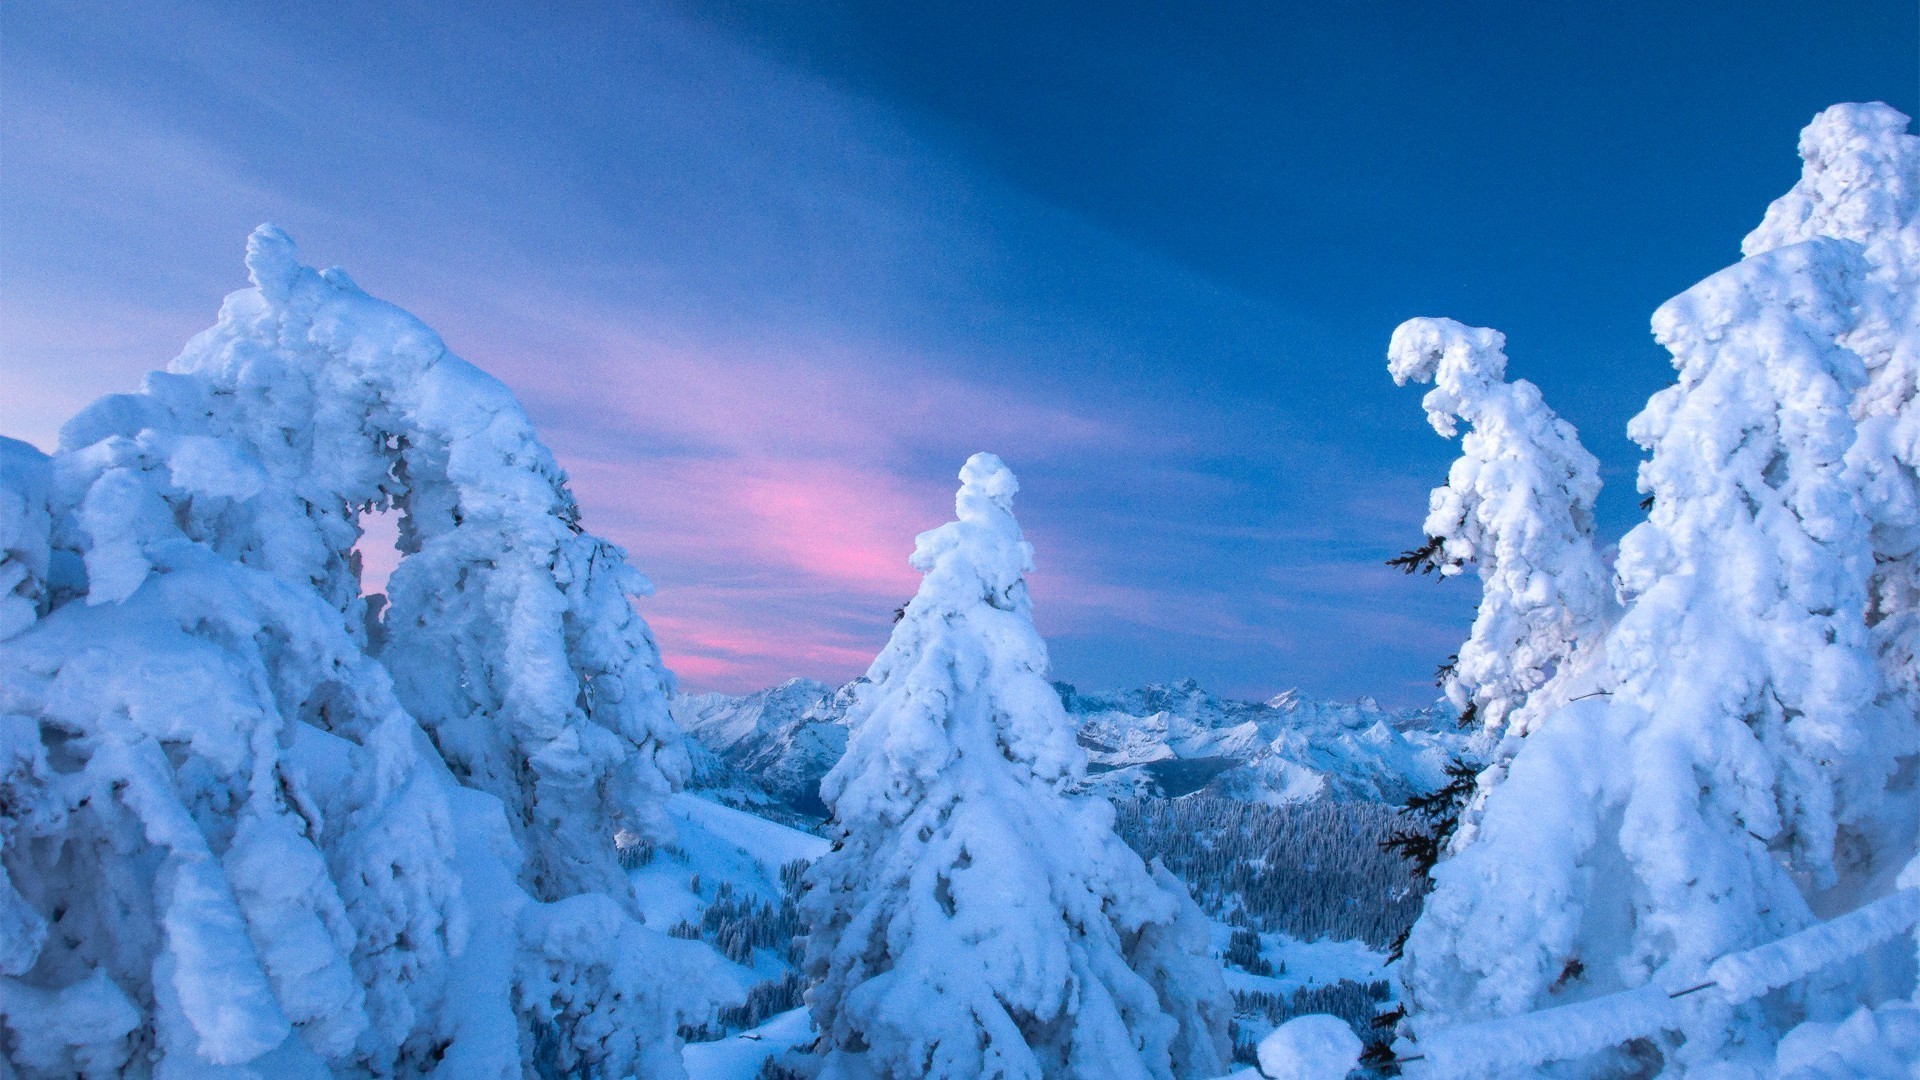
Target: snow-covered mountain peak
{"x": 1160, "y": 739}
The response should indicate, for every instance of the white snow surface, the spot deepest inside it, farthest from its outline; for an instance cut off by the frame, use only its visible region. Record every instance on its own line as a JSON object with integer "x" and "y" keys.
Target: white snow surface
{"x": 743, "y": 1055}
{"x": 974, "y": 918}
{"x": 260, "y": 825}
{"x": 1310, "y": 1048}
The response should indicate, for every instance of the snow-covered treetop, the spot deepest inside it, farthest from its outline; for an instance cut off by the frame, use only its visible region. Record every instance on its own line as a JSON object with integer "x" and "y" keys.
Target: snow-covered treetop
{"x": 1861, "y": 184}
{"x": 1518, "y": 505}
{"x": 1861, "y": 181}
{"x": 974, "y": 918}
{"x": 507, "y": 627}
{"x": 1464, "y": 364}
{"x": 983, "y": 550}
{"x": 972, "y": 616}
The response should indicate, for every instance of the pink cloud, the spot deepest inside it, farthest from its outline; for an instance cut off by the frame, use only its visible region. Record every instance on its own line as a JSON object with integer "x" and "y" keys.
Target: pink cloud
{"x": 772, "y": 492}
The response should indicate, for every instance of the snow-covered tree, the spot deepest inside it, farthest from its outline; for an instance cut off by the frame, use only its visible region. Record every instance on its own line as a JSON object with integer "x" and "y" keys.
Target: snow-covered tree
{"x": 508, "y": 629}
{"x": 1862, "y": 184}
{"x": 976, "y": 918}
{"x": 1696, "y": 812}
{"x": 1518, "y": 508}
{"x": 235, "y": 845}
{"x": 1746, "y": 644}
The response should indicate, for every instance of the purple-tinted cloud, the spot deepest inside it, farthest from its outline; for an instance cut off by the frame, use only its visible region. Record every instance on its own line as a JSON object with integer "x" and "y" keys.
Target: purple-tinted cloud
{"x": 761, "y": 322}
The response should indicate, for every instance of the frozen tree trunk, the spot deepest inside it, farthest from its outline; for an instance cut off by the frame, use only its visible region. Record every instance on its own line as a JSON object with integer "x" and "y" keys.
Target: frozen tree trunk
{"x": 974, "y": 919}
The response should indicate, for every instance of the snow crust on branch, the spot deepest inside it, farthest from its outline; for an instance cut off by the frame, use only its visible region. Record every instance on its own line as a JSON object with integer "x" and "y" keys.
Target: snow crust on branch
{"x": 974, "y": 919}
{"x": 234, "y": 843}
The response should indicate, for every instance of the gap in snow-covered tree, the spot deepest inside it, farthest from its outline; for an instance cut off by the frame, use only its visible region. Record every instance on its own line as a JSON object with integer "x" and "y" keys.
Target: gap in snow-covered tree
{"x": 378, "y": 550}
{"x": 230, "y": 841}
{"x": 974, "y": 919}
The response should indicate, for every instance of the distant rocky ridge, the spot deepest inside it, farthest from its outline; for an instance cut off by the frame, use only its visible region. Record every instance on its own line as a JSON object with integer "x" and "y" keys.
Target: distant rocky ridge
{"x": 766, "y": 751}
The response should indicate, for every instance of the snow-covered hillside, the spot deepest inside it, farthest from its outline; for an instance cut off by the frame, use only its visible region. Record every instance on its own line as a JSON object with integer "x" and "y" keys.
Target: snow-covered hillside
{"x": 1154, "y": 741}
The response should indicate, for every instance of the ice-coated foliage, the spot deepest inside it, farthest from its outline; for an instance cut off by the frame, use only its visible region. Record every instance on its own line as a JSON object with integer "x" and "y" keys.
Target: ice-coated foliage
{"x": 1746, "y": 642}
{"x": 1732, "y": 783}
{"x": 1861, "y": 184}
{"x": 233, "y": 843}
{"x": 507, "y": 627}
{"x": 974, "y": 919}
{"x": 1518, "y": 508}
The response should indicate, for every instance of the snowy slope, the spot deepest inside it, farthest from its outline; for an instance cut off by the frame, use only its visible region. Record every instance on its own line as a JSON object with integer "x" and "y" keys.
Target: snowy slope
{"x": 1154, "y": 741}
{"x": 723, "y": 857}
{"x": 782, "y": 739}
{"x": 1170, "y": 740}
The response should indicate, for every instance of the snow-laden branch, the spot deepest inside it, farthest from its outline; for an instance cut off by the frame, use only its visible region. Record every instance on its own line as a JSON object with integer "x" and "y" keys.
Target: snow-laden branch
{"x": 1577, "y": 1030}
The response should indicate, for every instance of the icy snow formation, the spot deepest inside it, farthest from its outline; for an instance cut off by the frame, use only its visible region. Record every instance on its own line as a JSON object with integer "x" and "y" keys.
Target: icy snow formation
{"x": 1862, "y": 185}
{"x": 257, "y": 821}
{"x": 975, "y": 919}
{"x": 1310, "y": 1048}
{"x": 1745, "y": 764}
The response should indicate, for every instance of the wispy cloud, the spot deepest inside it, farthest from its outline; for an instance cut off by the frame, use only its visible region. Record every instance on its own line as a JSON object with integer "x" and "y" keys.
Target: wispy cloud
{"x": 761, "y": 322}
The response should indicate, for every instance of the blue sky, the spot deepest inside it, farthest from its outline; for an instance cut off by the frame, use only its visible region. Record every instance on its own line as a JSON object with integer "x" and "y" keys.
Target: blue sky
{"x": 765, "y": 274}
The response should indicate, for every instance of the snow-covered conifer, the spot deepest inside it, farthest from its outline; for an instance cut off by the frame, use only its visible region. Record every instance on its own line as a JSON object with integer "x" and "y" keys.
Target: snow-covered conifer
{"x": 1695, "y": 813}
{"x": 975, "y": 918}
{"x": 1862, "y": 184}
{"x": 235, "y": 845}
{"x": 507, "y": 628}
{"x": 1746, "y": 644}
{"x": 1518, "y": 508}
